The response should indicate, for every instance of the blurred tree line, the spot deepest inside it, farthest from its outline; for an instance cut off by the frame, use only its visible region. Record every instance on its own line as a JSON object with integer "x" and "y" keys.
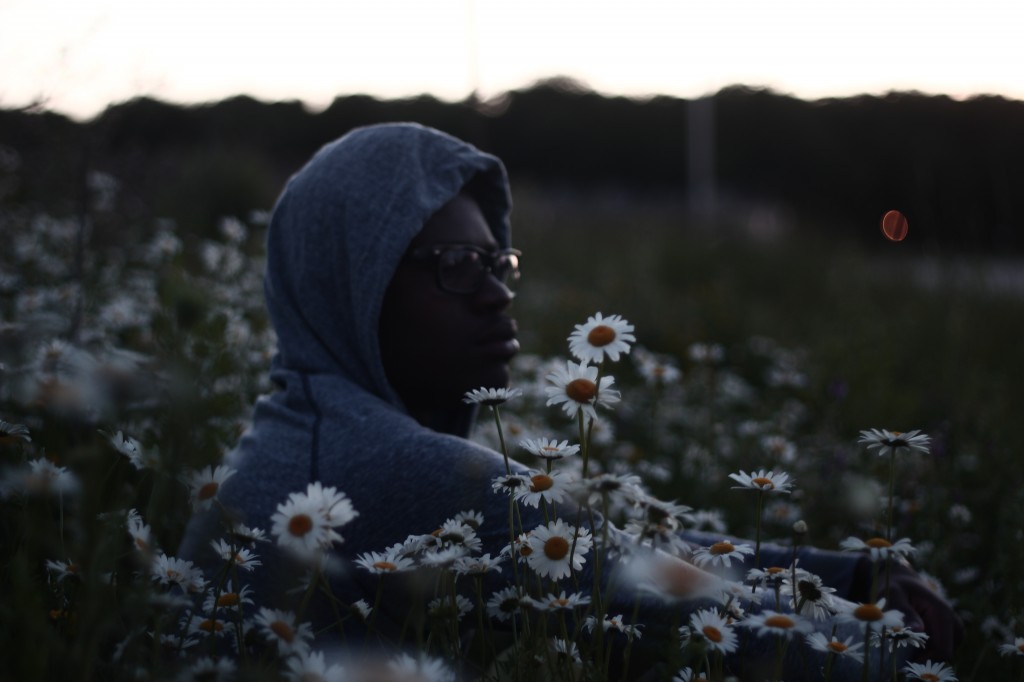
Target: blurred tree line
{"x": 954, "y": 168}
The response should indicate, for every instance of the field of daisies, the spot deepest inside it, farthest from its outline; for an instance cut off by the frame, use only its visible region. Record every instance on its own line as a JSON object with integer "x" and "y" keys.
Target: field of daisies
{"x": 792, "y": 392}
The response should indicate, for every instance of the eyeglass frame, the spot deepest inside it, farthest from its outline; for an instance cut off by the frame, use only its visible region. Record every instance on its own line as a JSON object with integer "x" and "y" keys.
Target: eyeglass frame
{"x": 488, "y": 259}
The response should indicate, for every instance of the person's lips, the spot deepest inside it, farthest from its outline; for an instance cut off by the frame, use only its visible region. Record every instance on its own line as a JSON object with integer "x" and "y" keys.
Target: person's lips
{"x": 499, "y": 339}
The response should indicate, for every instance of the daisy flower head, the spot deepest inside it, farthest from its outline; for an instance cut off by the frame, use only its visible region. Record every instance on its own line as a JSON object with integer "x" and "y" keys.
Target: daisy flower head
{"x": 1014, "y": 649}
{"x": 559, "y": 602}
{"x": 206, "y": 483}
{"x": 713, "y": 629}
{"x": 505, "y": 603}
{"x": 280, "y": 628}
{"x": 140, "y": 532}
{"x": 929, "y": 671}
{"x": 13, "y": 433}
{"x": 449, "y": 608}
{"x": 228, "y": 598}
{"x": 168, "y": 571}
{"x": 656, "y": 370}
{"x": 721, "y": 554}
{"x": 213, "y": 669}
{"x": 689, "y": 675}
{"x": 600, "y": 337}
{"x": 772, "y": 577}
{"x": 510, "y": 484}
{"x": 129, "y": 447}
{"x": 304, "y": 667}
{"x": 305, "y": 522}
{"x": 895, "y": 441}
{"x": 879, "y": 548}
{"x": 899, "y": 636}
{"x": 242, "y": 557}
{"x": 491, "y": 397}
{"x": 616, "y": 624}
{"x": 389, "y": 561}
{"x": 763, "y": 480}
{"x": 63, "y": 569}
{"x": 811, "y": 595}
{"x": 479, "y": 566}
{"x": 557, "y": 549}
{"x": 845, "y": 648}
{"x": 405, "y": 668}
{"x": 43, "y": 477}
{"x": 550, "y": 450}
{"x": 873, "y": 616}
{"x": 576, "y": 388}
{"x": 551, "y": 488}
{"x": 779, "y": 624}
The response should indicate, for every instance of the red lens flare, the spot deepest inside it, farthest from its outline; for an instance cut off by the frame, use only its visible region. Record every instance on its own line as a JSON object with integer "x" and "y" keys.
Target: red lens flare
{"x": 894, "y": 226}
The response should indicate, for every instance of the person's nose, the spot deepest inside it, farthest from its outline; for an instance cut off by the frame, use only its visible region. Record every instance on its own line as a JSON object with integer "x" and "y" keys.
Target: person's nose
{"x": 494, "y": 294}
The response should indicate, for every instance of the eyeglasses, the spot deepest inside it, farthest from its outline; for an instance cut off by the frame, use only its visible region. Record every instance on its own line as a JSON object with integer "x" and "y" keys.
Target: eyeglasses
{"x": 463, "y": 268}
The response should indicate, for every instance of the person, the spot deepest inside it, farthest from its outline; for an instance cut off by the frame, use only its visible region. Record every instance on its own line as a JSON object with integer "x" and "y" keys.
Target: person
{"x": 389, "y": 265}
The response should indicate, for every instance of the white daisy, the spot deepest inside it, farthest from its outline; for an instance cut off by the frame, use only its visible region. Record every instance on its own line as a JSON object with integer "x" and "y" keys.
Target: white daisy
{"x": 169, "y": 571}
{"x": 615, "y": 623}
{"x": 505, "y": 603}
{"x": 62, "y": 570}
{"x": 388, "y": 561}
{"x": 305, "y": 522}
{"x": 1014, "y": 649}
{"x": 550, "y": 488}
{"x": 899, "y": 636}
{"x": 309, "y": 666}
{"x": 689, "y": 675}
{"x": 929, "y": 671}
{"x": 480, "y": 565}
{"x": 46, "y": 478}
{"x": 13, "y": 433}
{"x": 279, "y": 628}
{"x": 242, "y": 557}
{"x": 140, "y": 532}
{"x": 600, "y": 337}
{"x": 712, "y": 628}
{"x": 872, "y": 616}
{"x": 549, "y": 449}
{"x": 559, "y": 602}
{"x": 206, "y": 483}
{"x": 139, "y": 457}
{"x": 879, "y": 548}
{"x": 575, "y": 387}
{"x": 491, "y": 397}
{"x": 510, "y": 484}
{"x": 774, "y": 623}
{"x": 811, "y": 595}
{"x": 657, "y": 370}
{"x": 420, "y": 669}
{"x": 552, "y": 553}
{"x": 771, "y": 577}
{"x": 885, "y": 441}
{"x": 471, "y": 518}
{"x": 362, "y": 608}
{"x": 228, "y": 598}
{"x": 454, "y": 532}
{"x": 211, "y": 669}
{"x": 763, "y": 480}
{"x": 845, "y": 648}
{"x": 248, "y": 536}
{"x": 565, "y": 650}
{"x": 721, "y": 554}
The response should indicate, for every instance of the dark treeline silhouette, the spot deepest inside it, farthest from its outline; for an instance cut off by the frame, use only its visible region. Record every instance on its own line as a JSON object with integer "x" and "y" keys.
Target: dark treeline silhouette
{"x": 955, "y": 168}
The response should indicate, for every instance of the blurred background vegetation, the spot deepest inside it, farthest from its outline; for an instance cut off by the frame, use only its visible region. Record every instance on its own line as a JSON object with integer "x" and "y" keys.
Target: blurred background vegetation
{"x": 620, "y": 207}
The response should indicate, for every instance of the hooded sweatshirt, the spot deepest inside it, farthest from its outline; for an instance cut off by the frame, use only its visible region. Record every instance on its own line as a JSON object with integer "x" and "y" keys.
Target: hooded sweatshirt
{"x": 337, "y": 234}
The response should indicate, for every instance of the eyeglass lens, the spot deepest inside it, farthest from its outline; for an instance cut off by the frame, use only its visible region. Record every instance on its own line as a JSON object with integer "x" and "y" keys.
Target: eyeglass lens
{"x": 463, "y": 270}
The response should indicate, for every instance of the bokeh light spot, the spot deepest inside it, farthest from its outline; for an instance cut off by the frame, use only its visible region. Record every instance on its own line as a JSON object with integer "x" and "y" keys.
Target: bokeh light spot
{"x": 894, "y": 226}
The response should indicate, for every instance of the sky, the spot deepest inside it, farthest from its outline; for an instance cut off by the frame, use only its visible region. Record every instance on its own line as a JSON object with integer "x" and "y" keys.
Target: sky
{"x": 79, "y": 56}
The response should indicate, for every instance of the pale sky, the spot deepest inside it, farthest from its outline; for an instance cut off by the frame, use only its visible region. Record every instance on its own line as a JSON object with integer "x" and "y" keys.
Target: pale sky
{"x": 81, "y": 55}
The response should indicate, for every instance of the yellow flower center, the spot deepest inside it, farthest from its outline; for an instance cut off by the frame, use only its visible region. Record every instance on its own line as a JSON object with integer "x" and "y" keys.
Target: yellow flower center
{"x": 775, "y": 570}
{"x": 556, "y": 548}
{"x": 868, "y": 612}
{"x": 228, "y": 599}
{"x": 601, "y": 335}
{"x": 878, "y": 543}
{"x": 540, "y": 483}
{"x": 779, "y": 621}
{"x": 141, "y": 544}
{"x": 1020, "y": 648}
{"x": 559, "y": 602}
{"x": 283, "y": 630}
{"x": 525, "y": 550}
{"x": 581, "y": 390}
{"x": 722, "y": 548}
{"x": 763, "y": 482}
{"x": 930, "y": 677}
{"x": 712, "y": 633}
{"x": 837, "y": 647}
{"x": 299, "y": 525}
{"x": 384, "y": 566}
{"x": 207, "y": 491}
{"x": 211, "y": 625}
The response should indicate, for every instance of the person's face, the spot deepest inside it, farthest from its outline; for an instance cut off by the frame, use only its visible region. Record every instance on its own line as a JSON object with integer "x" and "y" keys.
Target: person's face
{"x": 437, "y": 345}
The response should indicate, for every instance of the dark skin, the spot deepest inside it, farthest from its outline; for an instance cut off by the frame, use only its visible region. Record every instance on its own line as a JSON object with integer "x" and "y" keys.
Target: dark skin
{"x": 436, "y": 346}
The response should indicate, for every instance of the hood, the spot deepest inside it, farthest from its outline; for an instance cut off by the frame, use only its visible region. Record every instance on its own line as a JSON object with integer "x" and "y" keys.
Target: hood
{"x": 339, "y": 229}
